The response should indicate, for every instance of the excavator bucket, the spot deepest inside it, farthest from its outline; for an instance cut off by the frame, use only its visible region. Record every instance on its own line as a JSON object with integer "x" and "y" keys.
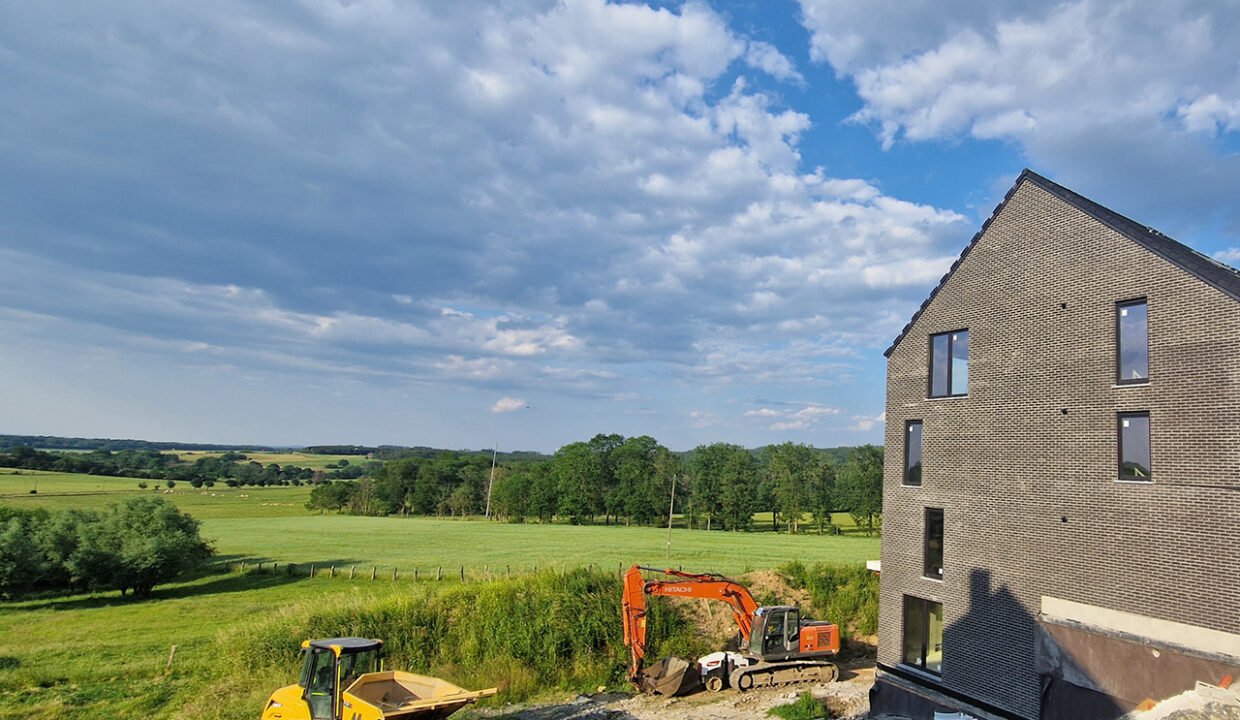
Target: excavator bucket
{"x": 670, "y": 677}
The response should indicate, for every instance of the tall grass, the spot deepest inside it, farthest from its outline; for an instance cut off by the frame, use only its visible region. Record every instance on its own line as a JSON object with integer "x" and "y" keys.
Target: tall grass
{"x": 525, "y": 635}
{"x": 845, "y": 594}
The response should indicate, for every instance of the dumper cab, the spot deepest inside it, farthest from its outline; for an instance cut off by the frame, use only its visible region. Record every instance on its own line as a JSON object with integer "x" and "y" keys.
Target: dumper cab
{"x": 328, "y": 667}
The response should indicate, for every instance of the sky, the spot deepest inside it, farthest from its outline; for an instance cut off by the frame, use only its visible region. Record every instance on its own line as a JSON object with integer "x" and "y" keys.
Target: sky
{"x": 522, "y": 223}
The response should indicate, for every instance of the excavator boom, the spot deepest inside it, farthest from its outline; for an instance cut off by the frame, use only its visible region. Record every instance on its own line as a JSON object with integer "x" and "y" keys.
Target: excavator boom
{"x": 689, "y": 585}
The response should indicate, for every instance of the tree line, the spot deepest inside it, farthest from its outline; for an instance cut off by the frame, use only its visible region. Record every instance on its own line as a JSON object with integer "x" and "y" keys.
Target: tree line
{"x": 632, "y": 481}
{"x": 232, "y": 468}
{"x": 134, "y": 545}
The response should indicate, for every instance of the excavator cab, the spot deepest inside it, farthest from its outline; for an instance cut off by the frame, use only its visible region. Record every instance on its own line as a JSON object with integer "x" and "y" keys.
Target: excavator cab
{"x": 776, "y": 633}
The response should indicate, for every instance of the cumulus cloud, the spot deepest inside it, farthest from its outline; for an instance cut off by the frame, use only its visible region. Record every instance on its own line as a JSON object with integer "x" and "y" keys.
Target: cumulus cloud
{"x": 508, "y": 404}
{"x": 500, "y": 197}
{"x": 1072, "y": 83}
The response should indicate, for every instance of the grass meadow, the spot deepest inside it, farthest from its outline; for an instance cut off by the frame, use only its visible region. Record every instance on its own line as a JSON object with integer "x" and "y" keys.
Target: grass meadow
{"x": 101, "y": 656}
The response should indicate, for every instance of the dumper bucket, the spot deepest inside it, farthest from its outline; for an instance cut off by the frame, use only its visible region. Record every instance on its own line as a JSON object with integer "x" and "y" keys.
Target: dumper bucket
{"x": 410, "y": 697}
{"x": 670, "y": 677}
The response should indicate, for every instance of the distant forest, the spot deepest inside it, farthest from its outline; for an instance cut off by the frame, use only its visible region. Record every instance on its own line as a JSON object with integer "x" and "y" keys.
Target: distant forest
{"x": 610, "y": 479}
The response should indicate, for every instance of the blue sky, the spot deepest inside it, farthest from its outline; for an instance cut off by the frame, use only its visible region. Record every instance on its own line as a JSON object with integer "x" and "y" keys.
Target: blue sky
{"x": 524, "y": 223}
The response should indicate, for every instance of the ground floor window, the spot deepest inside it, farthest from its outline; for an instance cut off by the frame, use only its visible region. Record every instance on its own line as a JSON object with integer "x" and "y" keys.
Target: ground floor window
{"x": 923, "y": 634}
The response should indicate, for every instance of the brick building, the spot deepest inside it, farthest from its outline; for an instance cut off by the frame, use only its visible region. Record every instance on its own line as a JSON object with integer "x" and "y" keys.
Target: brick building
{"x": 1061, "y": 532}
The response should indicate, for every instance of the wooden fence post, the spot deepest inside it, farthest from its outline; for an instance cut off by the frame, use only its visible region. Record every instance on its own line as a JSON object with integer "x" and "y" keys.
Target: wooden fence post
{"x": 393, "y": 574}
{"x": 462, "y": 573}
{"x": 352, "y": 569}
{"x": 439, "y": 573}
{"x": 415, "y": 574}
{"x": 332, "y": 574}
{"x": 311, "y": 569}
{"x": 242, "y": 566}
{"x": 373, "y": 569}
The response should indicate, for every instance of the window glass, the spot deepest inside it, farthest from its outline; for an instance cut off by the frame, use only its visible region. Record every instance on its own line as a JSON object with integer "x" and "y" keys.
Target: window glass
{"x": 934, "y": 637}
{"x": 949, "y": 364}
{"x": 912, "y": 454}
{"x": 923, "y": 634}
{"x": 1134, "y": 446}
{"x": 914, "y": 630}
{"x": 938, "y": 365}
{"x": 933, "y": 552}
{"x": 1134, "y": 347}
{"x": 960, "y": 362}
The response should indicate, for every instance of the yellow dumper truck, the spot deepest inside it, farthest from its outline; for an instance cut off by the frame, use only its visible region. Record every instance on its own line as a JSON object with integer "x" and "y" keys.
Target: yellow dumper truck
{"x": 343, "y": 679}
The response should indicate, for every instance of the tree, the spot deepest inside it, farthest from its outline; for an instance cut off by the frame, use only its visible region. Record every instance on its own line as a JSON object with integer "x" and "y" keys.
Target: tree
{"x": 738, "y": 488}
{"x": 822, "y": 492}
{"x": 20, "y": 560}
{"x": 706, "y": 469}
{"x": 331, "y": 496}
{"x": 578, "y": 472}
{"x": 791, "y": 468}
{"x": 138, "y": 544}
{"x": 860, "y": 485}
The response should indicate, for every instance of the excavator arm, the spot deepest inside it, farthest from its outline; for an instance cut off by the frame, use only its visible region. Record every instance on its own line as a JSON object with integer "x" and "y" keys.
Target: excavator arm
{"x": 707, "y": 587}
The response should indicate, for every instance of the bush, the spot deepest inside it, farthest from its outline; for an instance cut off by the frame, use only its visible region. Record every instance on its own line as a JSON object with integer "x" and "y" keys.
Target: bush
{"x": 844, "y": 594}
{"x": 134, "y": 545}
{"x": 524, "y": 635}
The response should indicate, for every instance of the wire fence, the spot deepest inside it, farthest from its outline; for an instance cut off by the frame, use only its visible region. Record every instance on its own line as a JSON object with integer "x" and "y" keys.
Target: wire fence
{"x": 376, "y": 573}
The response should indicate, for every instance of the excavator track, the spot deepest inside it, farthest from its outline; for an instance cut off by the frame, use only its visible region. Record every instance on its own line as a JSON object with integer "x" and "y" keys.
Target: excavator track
{"x": 783, "y": 673}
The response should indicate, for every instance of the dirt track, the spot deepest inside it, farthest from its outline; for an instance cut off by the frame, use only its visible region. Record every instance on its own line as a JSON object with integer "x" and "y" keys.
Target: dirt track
{"x": 847, "y": 698}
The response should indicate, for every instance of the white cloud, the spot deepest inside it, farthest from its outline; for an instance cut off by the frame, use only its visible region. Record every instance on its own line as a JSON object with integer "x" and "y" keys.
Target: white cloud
{"x": 496, "y": 197}
{"x": 804, "y": 417}
{"x": 1072, "y": 83}
{"x": 767, "y": 58}
{"x": 866, "y": 423}
{"x": 1230, "y": 256}
{"x": 507, "y": 405}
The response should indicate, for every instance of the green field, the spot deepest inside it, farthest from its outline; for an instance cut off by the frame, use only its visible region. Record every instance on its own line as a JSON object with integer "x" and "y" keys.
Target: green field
{"x": 101, "y": 656}
{"x": 300, "y": 459}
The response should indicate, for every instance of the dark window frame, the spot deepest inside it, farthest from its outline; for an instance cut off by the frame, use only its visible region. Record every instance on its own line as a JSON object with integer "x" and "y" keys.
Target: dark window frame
{"x": 1119, "y": 444}
{"x": 1119, "y": 378}
{"x": 923, "y": 612}
{"x": 926, "y": 567}
{"x": 908, "y": 424}
{"x": 950, "y": 359}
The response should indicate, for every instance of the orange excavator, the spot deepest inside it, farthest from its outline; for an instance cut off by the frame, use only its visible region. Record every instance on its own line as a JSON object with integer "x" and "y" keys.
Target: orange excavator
{"x": 776, "y": 645}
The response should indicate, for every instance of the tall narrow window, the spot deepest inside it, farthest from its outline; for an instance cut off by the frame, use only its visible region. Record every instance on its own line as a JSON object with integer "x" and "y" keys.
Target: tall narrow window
{"x": 912, "y": 453}
{"x": 949, "y": 364}
{"x": 923, "y": 634}
{"x": 933, "y": 551}
{"x": 1132, "y": 341}
{"x": 1134, "y": 446}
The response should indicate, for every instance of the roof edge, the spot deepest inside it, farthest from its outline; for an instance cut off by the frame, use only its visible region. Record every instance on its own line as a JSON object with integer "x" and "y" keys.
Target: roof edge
{"x": 1219, "y": 275}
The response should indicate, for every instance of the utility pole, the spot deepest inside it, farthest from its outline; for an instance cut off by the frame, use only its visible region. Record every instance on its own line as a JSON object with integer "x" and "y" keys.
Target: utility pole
{"x": 491, "y": 485}
{"x": 671, "y": 505}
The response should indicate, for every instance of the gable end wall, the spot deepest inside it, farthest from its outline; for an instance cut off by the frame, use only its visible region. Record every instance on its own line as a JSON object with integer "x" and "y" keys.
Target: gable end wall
{"x": 1031, "y": 498}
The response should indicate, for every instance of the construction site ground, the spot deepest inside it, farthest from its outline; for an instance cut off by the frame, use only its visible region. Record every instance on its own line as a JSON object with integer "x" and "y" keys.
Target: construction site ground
{"x": 846, "y": 698}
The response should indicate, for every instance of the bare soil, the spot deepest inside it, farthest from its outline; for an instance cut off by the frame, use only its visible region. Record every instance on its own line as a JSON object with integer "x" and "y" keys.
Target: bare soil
{"x": 848, "y": 697}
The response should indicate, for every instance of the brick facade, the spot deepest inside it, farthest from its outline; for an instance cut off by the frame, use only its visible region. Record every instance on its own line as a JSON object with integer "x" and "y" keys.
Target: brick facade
{"x": 1025, "y": 466}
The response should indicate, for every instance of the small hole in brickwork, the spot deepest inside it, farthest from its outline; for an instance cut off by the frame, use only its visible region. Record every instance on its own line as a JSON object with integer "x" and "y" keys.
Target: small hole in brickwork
{"x": 1063, "y": 519}
{"x": 1063, "y": 306}
{"x": 1064, "y": 411}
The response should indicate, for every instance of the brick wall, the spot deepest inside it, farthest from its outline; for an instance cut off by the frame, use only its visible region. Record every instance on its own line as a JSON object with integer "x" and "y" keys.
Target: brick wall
{"x": 1031, "y": 498}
